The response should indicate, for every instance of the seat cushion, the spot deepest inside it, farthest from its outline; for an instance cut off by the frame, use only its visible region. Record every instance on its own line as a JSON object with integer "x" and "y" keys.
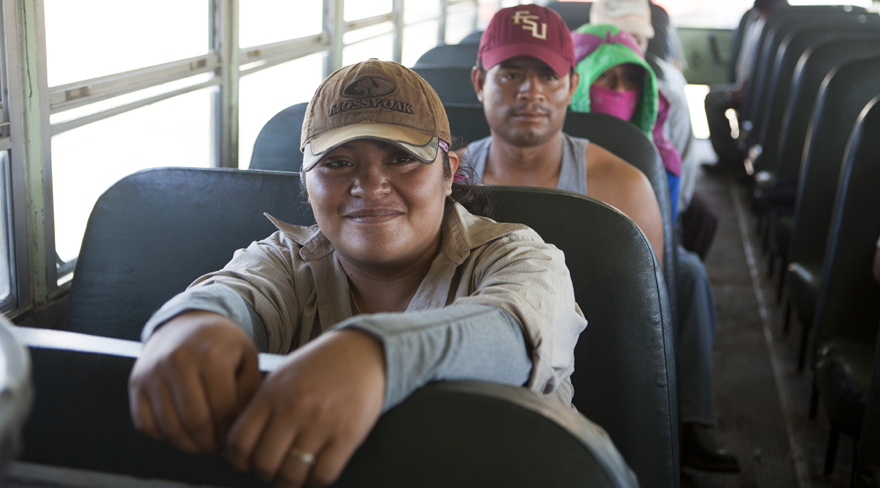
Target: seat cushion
{"x": 803, "y": 286}
{"x": 843, "y": 375}
{"x": 782, "y": 233}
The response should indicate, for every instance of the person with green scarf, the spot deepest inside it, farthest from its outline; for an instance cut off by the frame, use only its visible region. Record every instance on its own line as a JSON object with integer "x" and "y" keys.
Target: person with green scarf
{"x": 616, "y": 80}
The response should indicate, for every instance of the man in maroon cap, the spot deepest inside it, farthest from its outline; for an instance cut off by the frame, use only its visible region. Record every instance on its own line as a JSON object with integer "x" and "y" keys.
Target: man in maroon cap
{"x": 525, "y": 79}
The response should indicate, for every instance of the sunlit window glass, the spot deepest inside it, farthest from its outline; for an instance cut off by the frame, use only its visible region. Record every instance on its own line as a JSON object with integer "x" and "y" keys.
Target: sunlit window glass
{"x": 417, "y": 39}
{"x": 90, "y": 38}
{"x": 360, "y": 9}
{"x": 267, "y": 21}
{"x": 88, "y": 160}
{"x": 379, "y": 47}
{"x": 6, "y": 297}
{"x": 459, "y": 23}
{"x": 364, "y": 33}
{"x": 694, "y": 13}
{"x": 857, "y": 3}
{"x": 265, "y": 93}
{"x": 487, "y": 8}
{"x": 416, "y": 10}
{"x": 726, "y": 15}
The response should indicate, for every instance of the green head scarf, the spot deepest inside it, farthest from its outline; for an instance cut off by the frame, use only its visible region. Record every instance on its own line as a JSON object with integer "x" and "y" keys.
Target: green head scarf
{"x": 600, "y": 47}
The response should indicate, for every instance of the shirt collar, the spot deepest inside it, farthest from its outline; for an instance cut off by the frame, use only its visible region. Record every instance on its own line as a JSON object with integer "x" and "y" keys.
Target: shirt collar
{"x": 461, "y": 233}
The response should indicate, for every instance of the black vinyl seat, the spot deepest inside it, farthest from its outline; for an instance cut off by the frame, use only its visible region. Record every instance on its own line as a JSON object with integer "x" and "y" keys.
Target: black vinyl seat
{"x": 846, "y": 90}
{"x": 277, "y": 144}
{"x": 848, "y": 300}
{"x": 638, "y": 431}
{"x": 452, "y": 84}
{"x": 772, "y": 199}
{"x": 867, "y": 473}
{"x": 449, "y": 55}
{"x": 574, "y": 14}
{"x": 619, "y": 137}
{"x": 812, "y": 68}
{"x": 773, "y": 98}
{"x": 128, "y": 267}
{"x": 736, "y": 44}
{"x": 665, "y": 44}
{"x": 153, "y": 232}
{"x": 472, "y": 38}
{"x": 468, "y": 433}
{"x": 775, "y": 28}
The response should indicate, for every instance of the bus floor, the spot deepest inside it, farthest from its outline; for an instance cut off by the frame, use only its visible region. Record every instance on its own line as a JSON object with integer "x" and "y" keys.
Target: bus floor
{"x": 762, "y": 402}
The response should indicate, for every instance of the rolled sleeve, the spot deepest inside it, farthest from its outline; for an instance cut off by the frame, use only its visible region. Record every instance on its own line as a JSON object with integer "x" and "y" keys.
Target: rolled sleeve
{"x": 215, "y": 298}
{"x": 527, "y": 278}
{"x": 467, "y": 342}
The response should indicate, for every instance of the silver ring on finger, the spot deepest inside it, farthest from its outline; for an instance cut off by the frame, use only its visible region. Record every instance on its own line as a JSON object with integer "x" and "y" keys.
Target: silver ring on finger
{"x": 302, "y": 456}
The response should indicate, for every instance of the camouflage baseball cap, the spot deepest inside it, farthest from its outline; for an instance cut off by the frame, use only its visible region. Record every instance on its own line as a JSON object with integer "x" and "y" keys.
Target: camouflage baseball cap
{"x": 378, "y": 100}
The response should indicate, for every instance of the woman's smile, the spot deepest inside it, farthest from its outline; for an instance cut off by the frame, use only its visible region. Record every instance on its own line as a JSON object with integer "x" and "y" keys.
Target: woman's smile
{"x": 373, "y": 215}
{"x": 377, "y": 203}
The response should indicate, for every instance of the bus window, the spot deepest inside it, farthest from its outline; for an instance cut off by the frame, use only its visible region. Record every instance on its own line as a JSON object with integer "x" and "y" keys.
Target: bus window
{"x": 125, "y": 87}
{"x": 461, "y": 20}
{"x": 264, "y": 94}
{"x": 422, "y": 27}
{"x": 355, "y": 10}
{"x": 82, "y": 43}
{"x": 726, "y": 15}
{"x": 143, "y": 100}
{"x": 268, "y": 21}
{"x": 370, "y": 42}
{"x": 7, "y": 299}
{"x": 88, "y": 160}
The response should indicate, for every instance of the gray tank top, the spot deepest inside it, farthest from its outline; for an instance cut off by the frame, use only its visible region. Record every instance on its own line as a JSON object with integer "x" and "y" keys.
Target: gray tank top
{"x": 572, "y": 175}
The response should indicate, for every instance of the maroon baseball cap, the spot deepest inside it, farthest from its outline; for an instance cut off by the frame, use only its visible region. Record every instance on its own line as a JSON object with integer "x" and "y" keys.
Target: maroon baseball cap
{"x": 527, "y": 30}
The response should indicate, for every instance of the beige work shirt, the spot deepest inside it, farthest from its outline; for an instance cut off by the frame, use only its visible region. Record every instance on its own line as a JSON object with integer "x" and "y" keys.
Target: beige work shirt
{"x": 295, "y": 283}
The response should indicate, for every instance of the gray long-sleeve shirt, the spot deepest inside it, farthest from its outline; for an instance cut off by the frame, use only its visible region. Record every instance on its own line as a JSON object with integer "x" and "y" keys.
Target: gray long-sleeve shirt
{"x": 497, "y": 305}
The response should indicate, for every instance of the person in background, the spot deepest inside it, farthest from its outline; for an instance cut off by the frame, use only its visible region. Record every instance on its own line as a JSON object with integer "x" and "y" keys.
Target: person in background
{"x": 525, "y": 93}
{"x": 616, "y": 80}
{"x": 525, "y": 80}
{"x": 697, "y": 213}
{"x": 723, "y": 98}
{"x": 397, "y": 285}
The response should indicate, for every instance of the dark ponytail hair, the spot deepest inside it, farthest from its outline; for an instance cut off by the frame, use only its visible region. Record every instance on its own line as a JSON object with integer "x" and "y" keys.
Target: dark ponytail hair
{"x": 474, "y": 198}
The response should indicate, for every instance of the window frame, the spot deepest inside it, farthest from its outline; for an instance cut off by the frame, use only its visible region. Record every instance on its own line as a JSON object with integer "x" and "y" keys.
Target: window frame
{"x": 26, "y": 129}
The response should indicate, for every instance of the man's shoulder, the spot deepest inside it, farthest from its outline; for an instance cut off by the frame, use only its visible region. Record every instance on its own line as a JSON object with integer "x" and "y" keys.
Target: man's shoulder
{"x": 475, "y": 145}
{"x": 464, "y": 232}
{"x": 573, "y": 138}
{"x": 603, "y": 165}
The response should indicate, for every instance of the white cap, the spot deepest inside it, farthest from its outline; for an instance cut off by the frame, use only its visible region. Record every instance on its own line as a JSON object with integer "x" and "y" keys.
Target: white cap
{"x": 633, "y": 16}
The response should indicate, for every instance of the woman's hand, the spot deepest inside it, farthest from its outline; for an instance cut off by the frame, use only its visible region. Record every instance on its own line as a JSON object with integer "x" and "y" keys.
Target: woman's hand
{"x": 192, "y": 378}
{"x": 309, "y": 416}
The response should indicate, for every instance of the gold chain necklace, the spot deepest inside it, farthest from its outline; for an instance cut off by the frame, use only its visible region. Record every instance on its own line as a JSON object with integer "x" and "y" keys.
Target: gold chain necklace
{"x": 357, "y": 310}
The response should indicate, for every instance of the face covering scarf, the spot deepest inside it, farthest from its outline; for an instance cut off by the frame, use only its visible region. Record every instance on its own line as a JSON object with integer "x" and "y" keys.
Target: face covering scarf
{"x": 612, "y": 102}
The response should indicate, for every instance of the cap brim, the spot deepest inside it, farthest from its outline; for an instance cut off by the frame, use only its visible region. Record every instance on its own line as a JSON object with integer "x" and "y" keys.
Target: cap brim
{"x": 421, "y": 146}
{"x": 554, "y": 60}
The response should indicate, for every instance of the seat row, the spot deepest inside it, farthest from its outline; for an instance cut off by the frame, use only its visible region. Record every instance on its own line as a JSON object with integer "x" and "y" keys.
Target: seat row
{"x": 155, "y": 231}
{"x": 809, "y": 117}
{"x": 140, "y": 248}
